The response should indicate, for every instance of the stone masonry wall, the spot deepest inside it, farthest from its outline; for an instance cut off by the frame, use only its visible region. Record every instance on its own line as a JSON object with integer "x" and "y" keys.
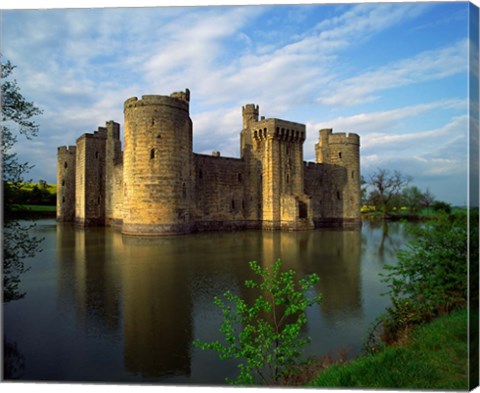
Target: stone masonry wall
{"x": 158, "y": 186}
{"x": 342, "y": 150}
{"x": 158, "y": 191}
{"x": 324, "y": 184}
{"x": 113, "y": 156}
{"x": 66, "y": 160}
{"x": 90, "y": 184}
{"x": 220, "y": 192}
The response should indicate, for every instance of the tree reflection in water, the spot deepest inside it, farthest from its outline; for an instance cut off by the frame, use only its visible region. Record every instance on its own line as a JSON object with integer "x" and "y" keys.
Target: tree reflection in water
{"x": 13, "y": 360}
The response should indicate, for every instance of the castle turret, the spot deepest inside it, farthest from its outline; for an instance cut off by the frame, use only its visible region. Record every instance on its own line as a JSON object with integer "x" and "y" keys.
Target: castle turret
{"x": 90, "y": 178}
{"x": 341, "y": 151}
{"x": 158, "y": 158}
{"x": 66, "y": 158}
{"x": 249, "y": 116}
{"x": 278, "y": 145}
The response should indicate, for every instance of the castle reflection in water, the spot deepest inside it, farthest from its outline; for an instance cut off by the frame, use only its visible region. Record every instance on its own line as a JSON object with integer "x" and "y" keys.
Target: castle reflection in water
{"x": 148, "y": 295}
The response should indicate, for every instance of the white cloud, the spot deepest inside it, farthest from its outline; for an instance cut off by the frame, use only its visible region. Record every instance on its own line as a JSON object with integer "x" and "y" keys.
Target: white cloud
{"x": 392, "y": 120}
{"x": 426, "y": 66}
{"x": 86, "y": 63}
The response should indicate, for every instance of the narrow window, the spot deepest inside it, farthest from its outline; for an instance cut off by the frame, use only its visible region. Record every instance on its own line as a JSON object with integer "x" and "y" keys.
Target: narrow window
{"x": 340, "y": 154}
{"x": 98, "y": 200}
{"x": 65, "y": 165}
{"x": 200, "y": 174}
{"x": 302, "y": 210}
{"x": 152, "y": 154}
{"x": 184, "y": 190}
{"x": 239, "y": 177}
{"x": 63, "y": 199}
{"x": 233, "y": 204}
{"x": 96, "y": 154}
{"x": 63, "y": 182}
{"x": 288, "y": 179}
{"x": 353, "y": 174}
{"x": 338, "y": 195}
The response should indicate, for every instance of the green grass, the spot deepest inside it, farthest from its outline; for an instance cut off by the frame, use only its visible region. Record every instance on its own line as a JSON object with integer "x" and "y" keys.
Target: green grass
{"x": 36, "y": 208}
{"x": 435, "y": 358}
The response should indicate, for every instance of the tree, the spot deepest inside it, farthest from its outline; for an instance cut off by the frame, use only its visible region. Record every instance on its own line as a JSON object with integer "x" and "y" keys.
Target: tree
{"x": 387, "y": 188}
{"x": 413, "y": 198}
{"x": 431, "y": 276}
{"x": 18, "y": 243}
{"x": 440, "y": 206}
{"x": 363, "y": 190}
{"x": 265, "y": 335}
{"x": 428, "y": 199}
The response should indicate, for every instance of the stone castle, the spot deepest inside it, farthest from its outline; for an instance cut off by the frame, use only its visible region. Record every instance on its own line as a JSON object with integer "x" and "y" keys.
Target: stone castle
{"x": 159, "y": 186}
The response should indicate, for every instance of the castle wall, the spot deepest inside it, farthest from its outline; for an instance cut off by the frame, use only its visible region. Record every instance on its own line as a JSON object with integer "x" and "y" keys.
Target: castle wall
{"x": 113, "y": 156}
{"x": 158, "y": 191}
{"x": 158, "y": 186}
{"x": 278, "y": 145}
{"x": 220, "y": 193}
{"x": 253, "y": 166}
{"x": 117, "y": 197}
{"x": 66, "y": 160}
{"x": 324, "y": 184}
{"x": 342, "y": 150}
{"x": 90, "y": 179}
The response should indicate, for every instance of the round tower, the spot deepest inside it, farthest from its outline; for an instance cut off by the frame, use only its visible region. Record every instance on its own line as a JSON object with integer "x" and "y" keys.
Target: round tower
{"x": 344, "y": 151}
{"x": 158, "y": 158}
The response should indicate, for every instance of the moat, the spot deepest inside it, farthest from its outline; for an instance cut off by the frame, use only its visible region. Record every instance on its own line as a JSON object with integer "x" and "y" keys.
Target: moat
{"x": 104, "y": 307}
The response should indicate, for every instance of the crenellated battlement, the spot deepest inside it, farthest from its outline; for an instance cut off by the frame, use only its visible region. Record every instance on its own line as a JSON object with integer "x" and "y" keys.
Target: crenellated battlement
{"x": 179, "y": 100}
{"x": 344, "y": 138}
{"x": 279, "y": 129}
{"x": 67, "y": 149}
{"x": 181, "y": 95}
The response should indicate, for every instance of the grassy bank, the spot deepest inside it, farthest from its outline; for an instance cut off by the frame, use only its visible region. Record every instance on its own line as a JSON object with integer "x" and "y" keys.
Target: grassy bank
{"x": 433, "y": 357}
{"x": 33, "y": 211}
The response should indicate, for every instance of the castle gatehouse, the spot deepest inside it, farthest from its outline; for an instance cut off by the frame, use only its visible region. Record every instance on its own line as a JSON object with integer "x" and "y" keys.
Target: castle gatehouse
{"x": 158, "y": 186}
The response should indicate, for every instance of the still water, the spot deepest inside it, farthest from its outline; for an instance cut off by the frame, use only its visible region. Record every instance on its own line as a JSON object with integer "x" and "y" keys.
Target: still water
{"x": 101, "y": 307}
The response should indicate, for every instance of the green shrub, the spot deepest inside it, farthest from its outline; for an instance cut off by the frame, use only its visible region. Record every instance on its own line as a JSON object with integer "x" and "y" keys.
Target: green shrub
{"x": 431, "y": 276}
{"x": 265, "y": 335}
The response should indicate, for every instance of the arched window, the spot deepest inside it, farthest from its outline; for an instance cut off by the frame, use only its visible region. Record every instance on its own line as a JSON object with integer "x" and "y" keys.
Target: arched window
{"x": 65, "y": 165}
{"x": 339, "y": 154}
{"x": 152, "y": 154}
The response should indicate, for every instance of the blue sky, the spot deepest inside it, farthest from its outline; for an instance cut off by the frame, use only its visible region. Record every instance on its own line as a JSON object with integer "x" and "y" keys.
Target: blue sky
{"x": 395, "y": 73}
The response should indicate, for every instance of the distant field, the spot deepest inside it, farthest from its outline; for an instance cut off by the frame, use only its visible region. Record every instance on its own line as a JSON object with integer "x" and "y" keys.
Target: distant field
{"x": 51, "y": 188}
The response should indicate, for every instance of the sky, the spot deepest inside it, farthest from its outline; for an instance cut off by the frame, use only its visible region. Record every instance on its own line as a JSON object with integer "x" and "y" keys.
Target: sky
{"x": 395, "y": 73}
